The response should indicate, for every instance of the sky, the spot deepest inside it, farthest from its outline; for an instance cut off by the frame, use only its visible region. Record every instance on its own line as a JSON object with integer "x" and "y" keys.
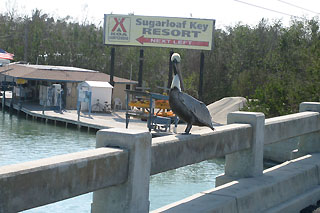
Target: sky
{"x": 225, "y": 12}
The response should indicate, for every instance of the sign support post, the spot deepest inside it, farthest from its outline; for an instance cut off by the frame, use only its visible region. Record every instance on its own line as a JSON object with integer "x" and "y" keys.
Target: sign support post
{"x": 140, "y": 69}
{"x": 200, "y": 92}
{"x": 112, "y": 53}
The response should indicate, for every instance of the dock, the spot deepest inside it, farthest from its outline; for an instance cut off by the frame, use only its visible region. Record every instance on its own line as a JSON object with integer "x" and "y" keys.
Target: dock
{"x": 117, "y": 119}
{"x": 95, "y": 121}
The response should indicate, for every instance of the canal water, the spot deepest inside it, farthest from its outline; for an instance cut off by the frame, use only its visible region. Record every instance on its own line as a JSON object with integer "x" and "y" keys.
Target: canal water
{"x": 24, "y": 140}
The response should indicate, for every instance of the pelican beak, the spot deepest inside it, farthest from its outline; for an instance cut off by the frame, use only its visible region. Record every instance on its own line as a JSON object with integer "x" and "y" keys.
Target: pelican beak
{"x": 177, "y": 65}
{"x": 177, "y": 68}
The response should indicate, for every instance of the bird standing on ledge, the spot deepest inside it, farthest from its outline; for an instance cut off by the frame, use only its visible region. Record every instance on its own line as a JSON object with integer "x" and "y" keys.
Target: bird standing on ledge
{"x": 188, "y": 109}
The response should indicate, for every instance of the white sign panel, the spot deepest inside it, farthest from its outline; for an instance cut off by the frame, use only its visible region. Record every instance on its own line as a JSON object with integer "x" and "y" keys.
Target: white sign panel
{"x": 158, "y": 31}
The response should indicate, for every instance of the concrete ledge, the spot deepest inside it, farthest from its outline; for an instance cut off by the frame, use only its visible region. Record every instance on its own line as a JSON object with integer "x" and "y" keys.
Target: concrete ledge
{"x": 289, "y": 126}
{"x": 278, "y": 185}
{"x": 309, "y": 106}
{"x": 224, "y": 179}
{"x": 281, "y": 151}
{"x": 171, "y": 152}
{"x": 202, "y": 202}
{"x": 298, "y": 203}
{"x": 36, "y": 183}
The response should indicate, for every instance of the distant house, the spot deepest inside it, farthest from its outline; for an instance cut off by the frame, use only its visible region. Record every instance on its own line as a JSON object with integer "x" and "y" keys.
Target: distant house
{"x": 29, "y": 78}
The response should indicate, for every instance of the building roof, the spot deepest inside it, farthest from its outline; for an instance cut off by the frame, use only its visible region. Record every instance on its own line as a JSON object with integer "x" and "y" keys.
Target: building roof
{"x": 57, "y": 73}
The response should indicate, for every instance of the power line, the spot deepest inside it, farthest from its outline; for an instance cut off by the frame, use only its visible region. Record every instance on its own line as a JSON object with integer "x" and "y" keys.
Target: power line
{"x": 264, "y": 8}
{"x": 293, "y": 5}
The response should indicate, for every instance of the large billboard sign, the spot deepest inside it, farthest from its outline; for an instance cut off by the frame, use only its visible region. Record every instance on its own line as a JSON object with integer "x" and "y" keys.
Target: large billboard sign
{"x": 154, "y": 31}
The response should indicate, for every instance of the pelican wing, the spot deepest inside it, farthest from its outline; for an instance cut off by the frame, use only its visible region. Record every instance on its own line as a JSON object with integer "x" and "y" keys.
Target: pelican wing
{"x": 198, "y": 108}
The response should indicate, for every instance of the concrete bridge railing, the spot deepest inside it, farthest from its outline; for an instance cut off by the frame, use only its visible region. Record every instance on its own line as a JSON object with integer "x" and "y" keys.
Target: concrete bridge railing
{"x": 118, "y": 171}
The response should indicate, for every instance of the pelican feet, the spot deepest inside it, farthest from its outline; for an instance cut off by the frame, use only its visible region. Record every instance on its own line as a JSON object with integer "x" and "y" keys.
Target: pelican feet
{"x": 187, "y": 131}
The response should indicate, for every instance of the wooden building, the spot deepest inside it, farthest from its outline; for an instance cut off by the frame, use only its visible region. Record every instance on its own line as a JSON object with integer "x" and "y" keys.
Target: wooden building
{"x": 28, "y": 79}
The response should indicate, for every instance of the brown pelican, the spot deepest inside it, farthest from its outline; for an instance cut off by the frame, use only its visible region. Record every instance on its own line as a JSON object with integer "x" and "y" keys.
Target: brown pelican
{"x": 188, "y": 109}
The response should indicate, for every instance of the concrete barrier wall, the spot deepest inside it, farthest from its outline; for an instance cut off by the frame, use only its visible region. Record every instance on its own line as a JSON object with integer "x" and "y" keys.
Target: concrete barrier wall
{"x": 170, "y": 152}
{"x": 289, "y": 126}
{"x": 35, "y": 183}
{"x": 123, "y": 173}
{"x": 299, "y": 130}
{"x": 280, "y": 151}
{"x": 288, "y": 187}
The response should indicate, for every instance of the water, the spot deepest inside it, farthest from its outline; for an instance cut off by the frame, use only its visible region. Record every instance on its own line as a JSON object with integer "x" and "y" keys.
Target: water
{"x": 177, "y": 184}
{"x": 23, "y": 140}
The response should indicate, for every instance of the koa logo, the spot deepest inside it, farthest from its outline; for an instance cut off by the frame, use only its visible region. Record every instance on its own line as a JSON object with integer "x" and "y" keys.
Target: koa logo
{"x": 119, "y": 24}
{"x": 119, "y": 29}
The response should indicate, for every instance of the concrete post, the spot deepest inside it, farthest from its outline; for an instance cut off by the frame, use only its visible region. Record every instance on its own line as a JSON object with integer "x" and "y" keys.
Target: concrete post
{"x": 246, "y": 163}
{"x": 309, "y": 143}
{"x": 133, "y": 195}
